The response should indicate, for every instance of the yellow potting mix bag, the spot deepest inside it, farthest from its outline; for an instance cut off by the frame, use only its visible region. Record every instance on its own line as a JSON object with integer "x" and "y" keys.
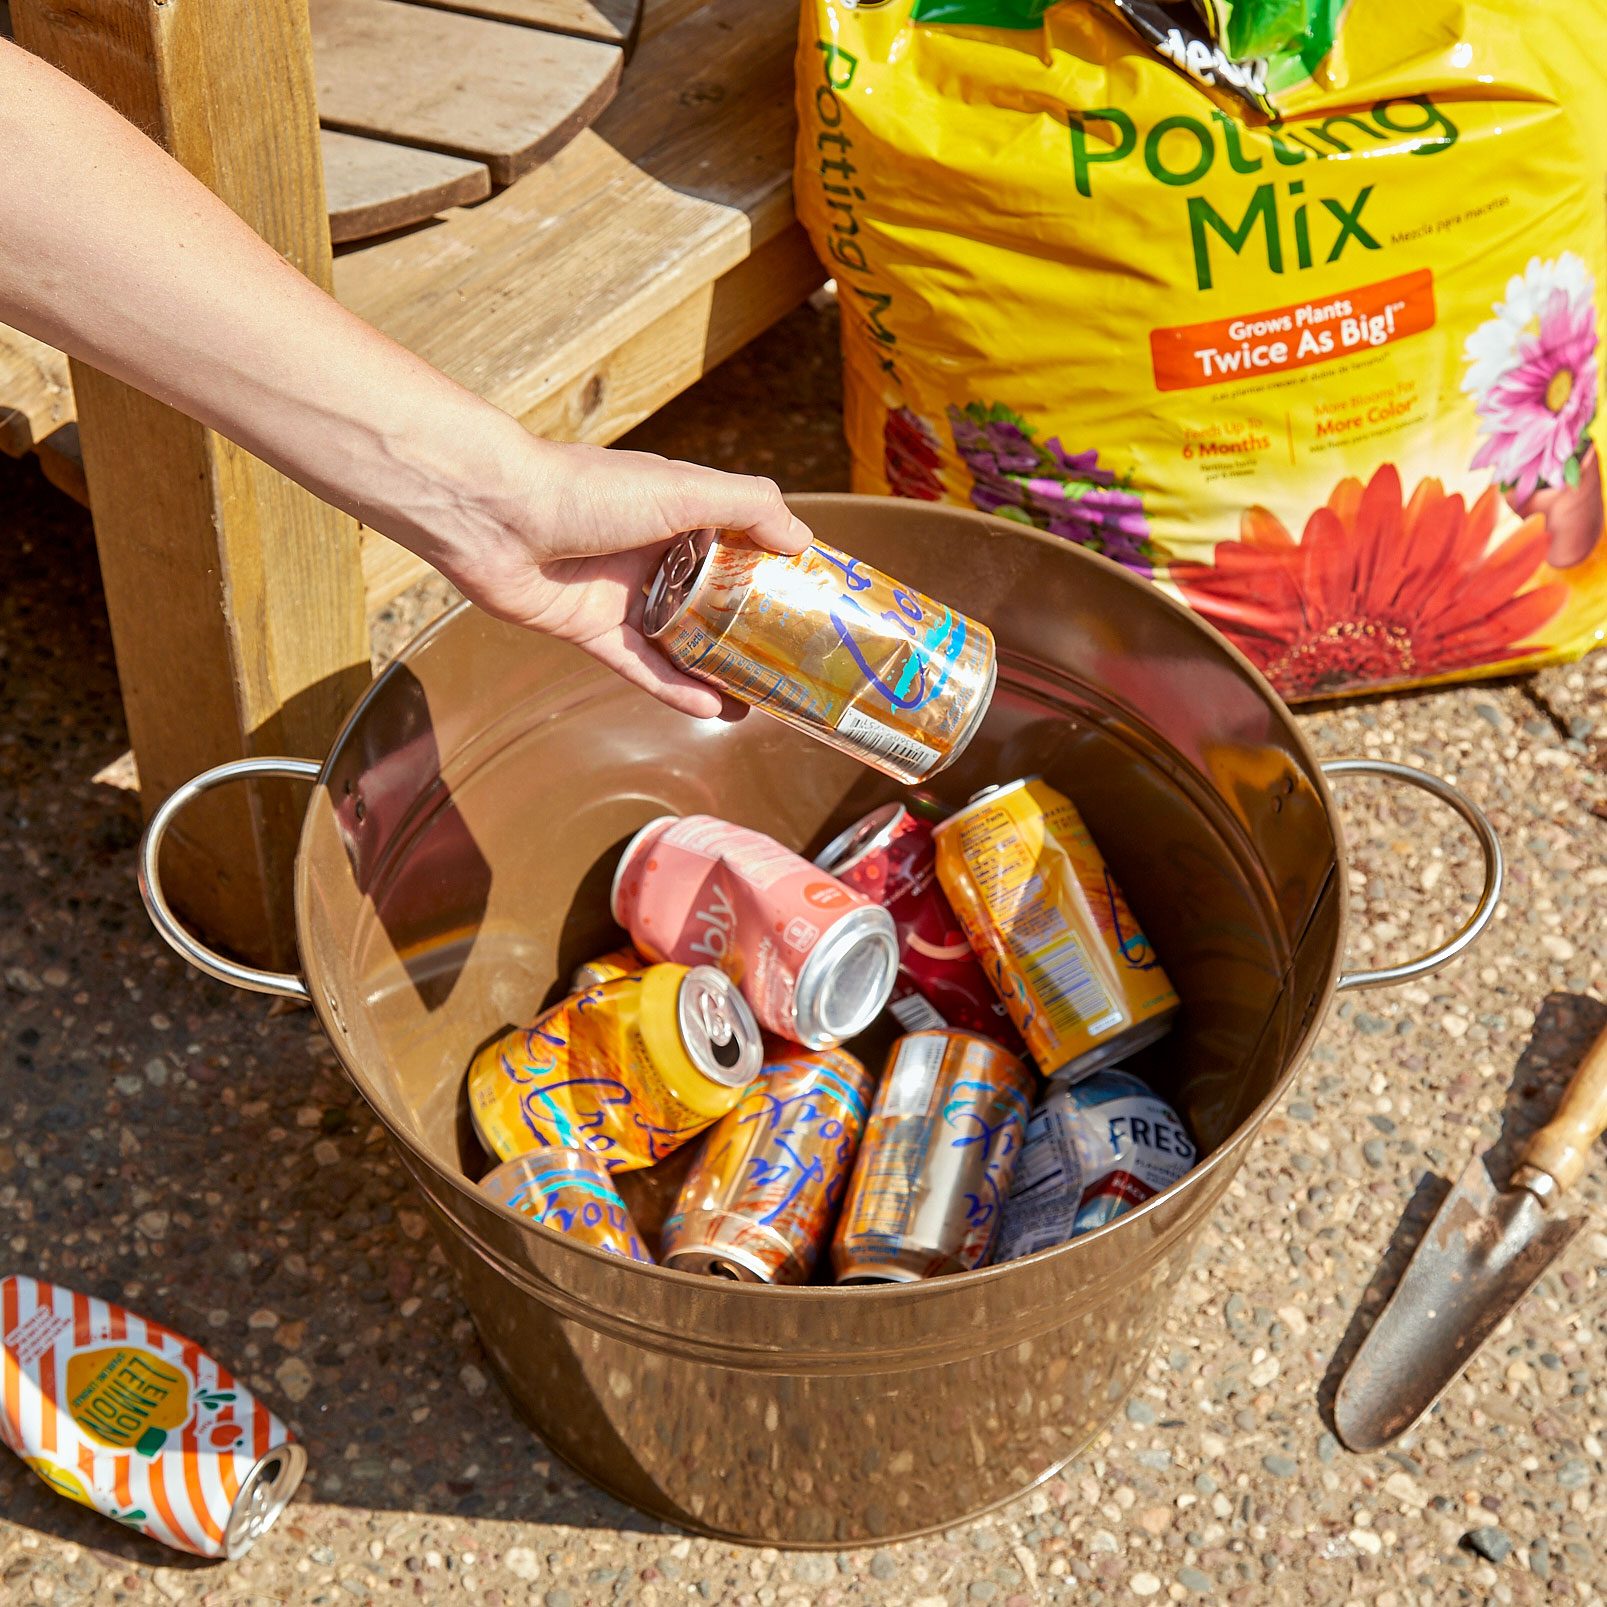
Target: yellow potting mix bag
{"x": 1288, "y": 304}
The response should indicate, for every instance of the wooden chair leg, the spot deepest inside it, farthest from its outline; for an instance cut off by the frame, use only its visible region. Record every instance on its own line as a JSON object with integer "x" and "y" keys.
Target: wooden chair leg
{"x": 236, "y": 598}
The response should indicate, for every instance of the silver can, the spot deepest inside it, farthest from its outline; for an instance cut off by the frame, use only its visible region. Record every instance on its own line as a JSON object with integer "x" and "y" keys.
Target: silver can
{"x": 936, "y": 1161}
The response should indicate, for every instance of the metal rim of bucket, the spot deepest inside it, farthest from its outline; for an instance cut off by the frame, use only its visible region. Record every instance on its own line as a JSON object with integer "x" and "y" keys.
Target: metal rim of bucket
{"x": 293, "y": 986}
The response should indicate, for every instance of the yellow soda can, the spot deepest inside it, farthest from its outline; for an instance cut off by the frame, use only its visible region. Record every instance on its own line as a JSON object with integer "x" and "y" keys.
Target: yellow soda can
{"x": 1081, "y": 981}
{"x": 629, "y": 1070}
{"x": 125, "y": 1416}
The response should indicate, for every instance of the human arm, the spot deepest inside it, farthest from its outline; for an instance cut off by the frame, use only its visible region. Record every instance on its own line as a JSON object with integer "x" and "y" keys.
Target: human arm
{"x": 112, "y": 252}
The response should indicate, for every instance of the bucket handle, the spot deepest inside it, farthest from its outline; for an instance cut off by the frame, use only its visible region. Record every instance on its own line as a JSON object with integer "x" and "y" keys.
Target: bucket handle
{"x": 1489, "y": 846}
{"x": 286, "y": 984}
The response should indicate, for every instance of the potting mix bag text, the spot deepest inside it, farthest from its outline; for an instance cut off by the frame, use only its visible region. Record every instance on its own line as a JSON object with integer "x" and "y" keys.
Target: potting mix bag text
{"x": 1290, "y": 305}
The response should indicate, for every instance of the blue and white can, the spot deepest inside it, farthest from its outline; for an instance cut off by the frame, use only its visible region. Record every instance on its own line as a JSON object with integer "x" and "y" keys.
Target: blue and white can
{"x": 1094, "y": 1150}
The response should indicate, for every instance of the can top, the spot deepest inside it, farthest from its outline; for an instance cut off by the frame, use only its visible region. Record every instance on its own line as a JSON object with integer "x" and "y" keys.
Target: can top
{"x": 847, "y": 979}
{"x": 676, "y": 580}
{"x": 865, "y": 836}
{"x": 986, "y": 795}
{"x": 265, "y": 1493}
{"x": 625, "y": 856}
{"x": 718, "y": 1029}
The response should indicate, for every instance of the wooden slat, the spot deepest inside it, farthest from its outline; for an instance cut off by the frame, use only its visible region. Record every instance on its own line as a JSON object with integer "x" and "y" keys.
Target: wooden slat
{"x": 521, "y": 296}
{"x": 235, "y": 597}
{"x": 610, "y": 21}
{"x": 492, "y": 92}
{"x": 36, "y": 395}
{"x": 374, "y": 186}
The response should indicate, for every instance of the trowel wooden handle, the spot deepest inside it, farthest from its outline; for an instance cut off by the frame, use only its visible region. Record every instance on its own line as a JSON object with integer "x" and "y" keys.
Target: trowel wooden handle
{"x": 1562, "y": 1147}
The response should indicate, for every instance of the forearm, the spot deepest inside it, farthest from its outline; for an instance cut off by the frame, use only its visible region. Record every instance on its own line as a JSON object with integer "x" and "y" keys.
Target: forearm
{"x": 110, "y": 251}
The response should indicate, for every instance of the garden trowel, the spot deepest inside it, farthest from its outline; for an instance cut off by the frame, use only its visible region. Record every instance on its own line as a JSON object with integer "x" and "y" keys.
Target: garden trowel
{"x": 1482, "y": 1253}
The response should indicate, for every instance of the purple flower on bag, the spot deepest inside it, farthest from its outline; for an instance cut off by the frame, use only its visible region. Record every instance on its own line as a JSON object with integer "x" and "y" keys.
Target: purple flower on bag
{"x": 1042, "y": 484}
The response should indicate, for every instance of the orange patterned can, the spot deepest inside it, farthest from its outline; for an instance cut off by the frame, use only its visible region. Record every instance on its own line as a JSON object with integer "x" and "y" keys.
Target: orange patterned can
{"x": 570, "y": 1191}
{"x": 828, "y": 644}
{"x": 127, "y": 1417}
{"x": 758, "y": 1204}
{"x": 1054, "y": 934}
{"x": 630, "y": 1069}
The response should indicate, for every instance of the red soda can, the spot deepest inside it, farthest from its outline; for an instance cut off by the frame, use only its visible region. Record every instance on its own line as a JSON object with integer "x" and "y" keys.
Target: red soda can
{"x": 890, "y": 857}
{"x": 570, "y": 1191}
{"x": 815, "y": 960}
{"x": 935, "y": 1165}
{"x": 758, "y": 1203}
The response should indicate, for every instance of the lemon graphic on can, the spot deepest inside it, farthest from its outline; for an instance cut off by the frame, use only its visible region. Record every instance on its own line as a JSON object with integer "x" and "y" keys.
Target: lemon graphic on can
{"x": 127, "y": 1397}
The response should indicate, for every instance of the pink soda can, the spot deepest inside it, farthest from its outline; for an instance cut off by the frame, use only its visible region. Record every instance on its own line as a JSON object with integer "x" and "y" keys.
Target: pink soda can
{"x": 815, "y": 960}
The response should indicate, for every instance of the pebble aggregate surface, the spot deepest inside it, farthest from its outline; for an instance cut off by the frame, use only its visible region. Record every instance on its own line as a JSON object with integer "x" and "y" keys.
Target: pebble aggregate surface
{"x": 200, "y": 1156}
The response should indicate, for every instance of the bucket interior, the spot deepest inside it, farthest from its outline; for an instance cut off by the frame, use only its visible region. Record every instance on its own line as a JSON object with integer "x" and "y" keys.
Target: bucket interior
{"x": 455, "y": 867}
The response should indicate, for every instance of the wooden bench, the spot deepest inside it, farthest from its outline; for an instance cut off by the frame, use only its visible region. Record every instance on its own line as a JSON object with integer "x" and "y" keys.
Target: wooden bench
{"x": 580, "y": 296}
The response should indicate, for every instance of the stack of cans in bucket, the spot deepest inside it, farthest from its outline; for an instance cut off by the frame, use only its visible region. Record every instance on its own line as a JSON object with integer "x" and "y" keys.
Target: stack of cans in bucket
{"x": 994, "y": 937}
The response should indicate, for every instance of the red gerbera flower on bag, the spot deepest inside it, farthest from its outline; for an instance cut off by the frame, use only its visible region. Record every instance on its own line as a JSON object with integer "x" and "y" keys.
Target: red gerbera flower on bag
{"x": 1375, "y": 592}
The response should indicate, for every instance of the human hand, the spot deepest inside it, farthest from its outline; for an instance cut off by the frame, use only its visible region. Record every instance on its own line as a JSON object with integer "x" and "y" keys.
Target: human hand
{"x": 571, "y": 553}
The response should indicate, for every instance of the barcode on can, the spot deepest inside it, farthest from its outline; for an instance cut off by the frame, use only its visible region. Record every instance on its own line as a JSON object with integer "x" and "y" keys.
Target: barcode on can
{"x": 1071, "y": 995}
{"x": 914, "y": 1013}
{"x": 867, "y": 732}
{"x": 912, "y": 1076}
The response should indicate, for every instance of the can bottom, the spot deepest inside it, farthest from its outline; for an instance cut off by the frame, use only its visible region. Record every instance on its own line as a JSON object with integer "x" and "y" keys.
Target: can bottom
{"x": 914, "y": 1265}
{"x": 724, "y": 1244}
{"x": 265, "y": 1493}
{"x": 978, "y": 715}
{"x": 1113, "y": 1050}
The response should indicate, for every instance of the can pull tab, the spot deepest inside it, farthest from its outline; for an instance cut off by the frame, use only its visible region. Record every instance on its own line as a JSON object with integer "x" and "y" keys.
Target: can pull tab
{"x": 720, "y": 1031}
{"x": 683, "y": 557}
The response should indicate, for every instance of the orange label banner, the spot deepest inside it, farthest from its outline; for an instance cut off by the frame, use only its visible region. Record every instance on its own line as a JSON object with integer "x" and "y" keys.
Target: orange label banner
{"x": 1284, "y": 338}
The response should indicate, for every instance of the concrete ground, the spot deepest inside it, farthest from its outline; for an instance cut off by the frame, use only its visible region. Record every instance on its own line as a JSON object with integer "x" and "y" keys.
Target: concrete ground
{"x": 183, "y": 1148}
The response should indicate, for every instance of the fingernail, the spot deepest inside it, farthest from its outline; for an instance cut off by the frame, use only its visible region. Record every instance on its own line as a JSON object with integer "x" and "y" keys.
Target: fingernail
{"x": 800, "y": 531}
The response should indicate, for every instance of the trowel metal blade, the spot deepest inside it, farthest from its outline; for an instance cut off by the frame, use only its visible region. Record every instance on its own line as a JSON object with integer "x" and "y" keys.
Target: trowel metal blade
{"x": 1482, "y": 1253}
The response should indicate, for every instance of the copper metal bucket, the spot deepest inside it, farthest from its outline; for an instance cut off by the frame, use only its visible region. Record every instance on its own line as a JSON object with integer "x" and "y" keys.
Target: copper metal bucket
{"x": 454, "y": 867}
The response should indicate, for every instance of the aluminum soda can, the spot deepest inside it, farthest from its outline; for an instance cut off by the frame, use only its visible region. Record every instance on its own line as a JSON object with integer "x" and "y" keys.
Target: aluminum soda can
{"x": 760, "y": 1199}
{"x": 935, "y": 1164}
{"x": 890, "y": 857}
{"x": 630, "y": 1069}
{"x": 815, "y": 959}
{"x": 570, "y": 1191}
{"x": 609, "y": 967}
{"x": 1053, "y": 932}
{"x": 1095, "y": 1149}
{"x": 120, "y": 1414}
{"x": 829, "y": 645}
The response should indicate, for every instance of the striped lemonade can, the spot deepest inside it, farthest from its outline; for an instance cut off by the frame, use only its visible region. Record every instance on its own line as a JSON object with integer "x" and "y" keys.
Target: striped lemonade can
{"x": 123, "y": 1415}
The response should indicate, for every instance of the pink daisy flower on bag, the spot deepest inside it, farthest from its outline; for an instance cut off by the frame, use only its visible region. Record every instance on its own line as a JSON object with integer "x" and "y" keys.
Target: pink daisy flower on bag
{"x": 1533, "y": 376}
